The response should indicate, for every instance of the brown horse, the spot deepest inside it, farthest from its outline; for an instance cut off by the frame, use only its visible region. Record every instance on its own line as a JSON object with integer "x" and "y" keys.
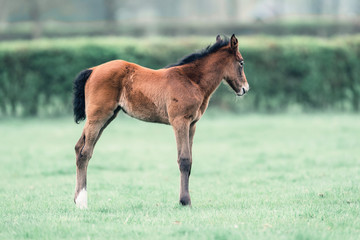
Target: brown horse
{"x": 177, "y": 95}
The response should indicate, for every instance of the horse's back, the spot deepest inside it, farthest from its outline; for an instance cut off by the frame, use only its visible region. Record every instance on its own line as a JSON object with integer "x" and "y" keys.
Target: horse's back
{"x": 117, "y": 72}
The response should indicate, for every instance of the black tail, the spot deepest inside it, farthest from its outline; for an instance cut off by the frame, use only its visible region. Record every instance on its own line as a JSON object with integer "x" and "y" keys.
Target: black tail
{"x": 79, "y": 95}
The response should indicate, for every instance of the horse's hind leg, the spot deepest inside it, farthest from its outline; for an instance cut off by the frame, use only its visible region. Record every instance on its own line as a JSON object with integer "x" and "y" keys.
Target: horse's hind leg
{"x": 94, "y": 126}
{"x": 80, "y": 199}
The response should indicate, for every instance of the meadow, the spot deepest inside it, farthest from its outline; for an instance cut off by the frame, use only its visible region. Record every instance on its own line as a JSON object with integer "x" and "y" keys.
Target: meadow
{"x": 253, "y": 177}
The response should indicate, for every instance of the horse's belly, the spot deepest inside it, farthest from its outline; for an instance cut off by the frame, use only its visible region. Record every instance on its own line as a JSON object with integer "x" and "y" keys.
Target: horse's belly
{"x": 147, "y": 116}
{"x": 143, "y": 108}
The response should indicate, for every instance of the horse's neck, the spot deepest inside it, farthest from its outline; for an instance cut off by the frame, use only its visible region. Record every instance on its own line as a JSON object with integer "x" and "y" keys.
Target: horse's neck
{"x": 206, "y": 72}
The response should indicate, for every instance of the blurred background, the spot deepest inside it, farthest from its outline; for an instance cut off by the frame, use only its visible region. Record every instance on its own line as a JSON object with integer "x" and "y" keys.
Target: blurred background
{"x": 301, "y": 55}
{"x": 281, "y": 161}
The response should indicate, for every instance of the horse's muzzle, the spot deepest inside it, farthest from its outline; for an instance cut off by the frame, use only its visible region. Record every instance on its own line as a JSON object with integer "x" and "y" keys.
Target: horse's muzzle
{"x": 242, "y": 92}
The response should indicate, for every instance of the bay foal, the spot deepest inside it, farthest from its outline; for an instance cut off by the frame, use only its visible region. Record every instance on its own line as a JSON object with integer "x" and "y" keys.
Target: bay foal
{"x": 177, "y": 95}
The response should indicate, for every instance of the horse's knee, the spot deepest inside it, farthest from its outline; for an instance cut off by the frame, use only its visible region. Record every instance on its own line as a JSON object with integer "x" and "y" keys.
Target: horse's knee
{"x": 184, "y": 164}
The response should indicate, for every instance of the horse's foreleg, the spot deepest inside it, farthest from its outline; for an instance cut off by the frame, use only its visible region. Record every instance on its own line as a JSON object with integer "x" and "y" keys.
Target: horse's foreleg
{"x": 191, "y": 136}
{"x": 181, "y": 128}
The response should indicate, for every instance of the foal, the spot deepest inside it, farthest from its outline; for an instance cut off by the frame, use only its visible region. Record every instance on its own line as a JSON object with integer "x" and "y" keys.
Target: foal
{"x": 177, "y": 95}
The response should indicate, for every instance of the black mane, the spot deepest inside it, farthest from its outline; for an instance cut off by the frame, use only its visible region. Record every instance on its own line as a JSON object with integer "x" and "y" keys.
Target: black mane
{"x": 203, "y": 53}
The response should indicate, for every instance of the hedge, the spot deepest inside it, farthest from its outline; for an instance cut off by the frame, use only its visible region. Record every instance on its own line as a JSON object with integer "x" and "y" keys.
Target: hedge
{"x": 285, "y": 74}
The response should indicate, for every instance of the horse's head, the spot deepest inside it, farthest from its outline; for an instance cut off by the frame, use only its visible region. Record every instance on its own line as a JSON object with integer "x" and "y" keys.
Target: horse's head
{"x": 234, "y": 73}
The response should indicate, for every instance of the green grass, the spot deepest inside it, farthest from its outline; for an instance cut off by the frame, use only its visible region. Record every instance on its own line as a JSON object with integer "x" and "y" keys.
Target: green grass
{"x": 253, "y": 177}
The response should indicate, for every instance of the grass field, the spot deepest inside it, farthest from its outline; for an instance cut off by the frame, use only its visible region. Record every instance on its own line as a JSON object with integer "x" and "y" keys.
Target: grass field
{"x": 253, "y": 177}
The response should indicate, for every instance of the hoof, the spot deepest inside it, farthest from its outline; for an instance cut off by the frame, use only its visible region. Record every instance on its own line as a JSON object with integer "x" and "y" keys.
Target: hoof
{"x": 81, "y": 199}
{"x": 185, "y": 201}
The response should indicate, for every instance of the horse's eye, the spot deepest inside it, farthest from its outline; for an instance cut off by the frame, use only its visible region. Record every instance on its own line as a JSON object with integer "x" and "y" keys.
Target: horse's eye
{"x": 241, "y": 63}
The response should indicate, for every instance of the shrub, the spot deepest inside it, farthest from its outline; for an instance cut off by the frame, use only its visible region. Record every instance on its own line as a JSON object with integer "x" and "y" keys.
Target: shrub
{"x": 307, "y": 73}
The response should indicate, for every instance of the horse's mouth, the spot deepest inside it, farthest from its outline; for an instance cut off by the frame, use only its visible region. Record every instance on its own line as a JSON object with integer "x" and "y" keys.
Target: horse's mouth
{"x": 242, "y": 92}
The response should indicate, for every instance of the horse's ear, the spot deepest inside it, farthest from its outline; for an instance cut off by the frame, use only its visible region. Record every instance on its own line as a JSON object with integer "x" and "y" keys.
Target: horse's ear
{"x": 218, "y": 38}
{"x": 233, "y": 42}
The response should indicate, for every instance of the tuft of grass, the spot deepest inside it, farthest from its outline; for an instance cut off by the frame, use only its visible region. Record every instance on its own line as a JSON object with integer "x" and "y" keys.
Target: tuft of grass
{"x": 253, "y": 177}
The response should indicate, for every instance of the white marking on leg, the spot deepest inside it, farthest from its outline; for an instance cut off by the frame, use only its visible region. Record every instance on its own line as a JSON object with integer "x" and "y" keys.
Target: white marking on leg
{"x": 81, "y": 200}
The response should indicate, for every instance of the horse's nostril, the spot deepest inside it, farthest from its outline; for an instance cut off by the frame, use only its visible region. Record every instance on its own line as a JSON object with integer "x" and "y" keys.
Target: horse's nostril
{"x": 244, "y": 90}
